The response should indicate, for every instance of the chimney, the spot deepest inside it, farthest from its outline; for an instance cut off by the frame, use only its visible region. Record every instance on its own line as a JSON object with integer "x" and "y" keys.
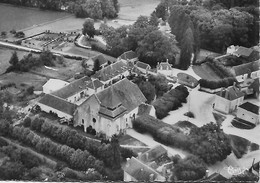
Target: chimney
{"x": 139, "y": 155}
{"x": 151, "y": 177}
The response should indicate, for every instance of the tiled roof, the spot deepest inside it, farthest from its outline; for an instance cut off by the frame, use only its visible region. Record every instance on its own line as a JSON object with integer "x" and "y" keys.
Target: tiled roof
{"x": 153, "y": 153}
{"x": 73, "y": 88}
{"x": 250, "y": 107}
{"x": 58, "y": 103}
{"x": 139, "y": 170}
{"x": 128, "y": 55}
{"x": 111, "y": 71}
{"x": 94, "y": 84}
{"x": 246, "y": 68}
{"x": 142, "y": 65}
{"x": 231, "y": 93}
{"x": 243, "y": 51}
{"x": 124, "y": 92}
{"x": 216, "y": 177}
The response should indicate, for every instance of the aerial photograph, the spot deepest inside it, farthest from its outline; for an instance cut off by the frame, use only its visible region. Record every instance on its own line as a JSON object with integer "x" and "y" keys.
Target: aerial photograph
{"x": 129, "y": 91}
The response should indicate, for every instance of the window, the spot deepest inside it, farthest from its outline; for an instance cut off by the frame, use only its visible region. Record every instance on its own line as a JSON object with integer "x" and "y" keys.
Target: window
{"x": 94, "y": 120}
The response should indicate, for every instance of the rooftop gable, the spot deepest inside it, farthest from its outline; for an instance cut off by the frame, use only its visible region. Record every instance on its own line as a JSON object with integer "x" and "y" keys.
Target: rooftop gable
{"x": 126, "y": 92}
{"x": 165, "y": 65}
{"x": 231, "y": 93}
{"x": 243, "y": 51}
{"x": 250, "y": 107}
{"x": 142, "y": 65}
{"x": 73, "y": 88}
{"x": 58, "y": 103}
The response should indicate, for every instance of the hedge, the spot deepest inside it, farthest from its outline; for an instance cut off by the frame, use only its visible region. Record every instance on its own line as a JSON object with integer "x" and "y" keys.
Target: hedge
{"x": 214, "y": 84}
{"x": 171, "y": 100}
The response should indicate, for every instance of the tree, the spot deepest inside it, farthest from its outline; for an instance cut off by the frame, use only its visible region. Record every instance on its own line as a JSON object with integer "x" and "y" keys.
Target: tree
{"x": 157, "y": 47}
{"x": 161, "y": 11}
{"x": 14, "y": 61}
{"x": 142, "y": 22}
{"x": 46, "y": 58}
{"x": 3, "y": 33}
{"x": 88, "y": 28}
{"x": 93, "y": 8}
{"x": 190, "y": 168}
{"x": 116, "y": 5}
{"x": 153, "y": 20}
{"x": 108, "y": 9}
{"x": 210, "y": 143}
{"x": 4, "y": 127}
{"x": 116, "y": 153}
{"x": 186, "y": 49}
{"x": 148, "y": 90}
{"x": 96, "y": 65}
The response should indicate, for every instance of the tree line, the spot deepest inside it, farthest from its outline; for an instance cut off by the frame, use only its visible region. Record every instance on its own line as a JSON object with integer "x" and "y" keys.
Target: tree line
{"x": 96, "y": 9}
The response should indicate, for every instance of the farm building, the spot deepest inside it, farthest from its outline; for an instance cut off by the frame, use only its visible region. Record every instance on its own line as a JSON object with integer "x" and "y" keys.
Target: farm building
{"x": 112, "y": 110}
{"x": 52, "y": 104}
{"x": 228, "y": 100}
{"x": 53, "y": 85}
{"x": 239, "y": 51}
{"x": 128, "y": 56}
{"x": 117, "y": 70}
{"x": 248, "y": 70}
{"x": 100, "y": 58}
{"x": 248, "y": 112}
{"x": 146, "y": 166}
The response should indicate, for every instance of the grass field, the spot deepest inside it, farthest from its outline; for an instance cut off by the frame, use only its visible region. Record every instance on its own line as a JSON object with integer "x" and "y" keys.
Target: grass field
{"x": 205, "y": 72}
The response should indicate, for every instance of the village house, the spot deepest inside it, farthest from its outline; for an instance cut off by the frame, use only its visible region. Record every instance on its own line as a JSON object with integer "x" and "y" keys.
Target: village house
{"x": 142, "y": 67}
{"x": 227, "y": 100}
{"x": 248, "y": 70}
{"x": 250, "y": 87}
{"x": 103, "y": 62}
{"x": 129, "y": 56}
{"x": 112, "y": 110}
{"x": 77, "y": 91}
{"x": 164, "y": 68}
{"x": 53, "y": 85}
{"x": 152, "y": 165}
{"x": 248, "y": 112}
{"x": 239, "y": 51}
{"x": 115, "y": 71}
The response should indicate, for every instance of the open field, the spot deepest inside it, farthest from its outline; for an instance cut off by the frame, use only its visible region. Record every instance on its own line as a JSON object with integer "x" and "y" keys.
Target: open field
{"x": 205, "y": 72}
{"x": 5, "y": 55}
{"x": 25, "y": 17}
{"x": 21, "y": 79}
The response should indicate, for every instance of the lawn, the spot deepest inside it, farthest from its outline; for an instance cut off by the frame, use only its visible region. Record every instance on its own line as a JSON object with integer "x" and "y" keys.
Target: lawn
{"x": 205, "y": 72}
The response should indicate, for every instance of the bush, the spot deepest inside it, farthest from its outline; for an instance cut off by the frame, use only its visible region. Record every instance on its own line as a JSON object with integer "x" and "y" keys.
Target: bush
{"x": 27, "y": 122}
{"x": 189, "y": 114}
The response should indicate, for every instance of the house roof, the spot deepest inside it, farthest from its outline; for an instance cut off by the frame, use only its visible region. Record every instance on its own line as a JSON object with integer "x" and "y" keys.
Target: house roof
{"x": 94, "y": 84}
{"x": 216, "y": 177}
{"x": 153, "y": 153}
{"x": 128, "y": 55}
{"x": 112, "y": 114}
{"x": 123, "y": 92}
{"x": 144, "y": 109}
{"x": 73, "y": 88}
{"x": 101, "y": 58}
{"x": 250, "y": 107}
{"x": 139, "y": 170}
{"x": 231, "y": 93}
{"x": 142, "y": 65}
{"x": 111, "y": 71}
{"x": 55, "y": 84}
{"x": 243, "y": 51}
{"x": 58, "y": 103}
{"x": 246, "y": 68}
{"x": 165, "y": 65}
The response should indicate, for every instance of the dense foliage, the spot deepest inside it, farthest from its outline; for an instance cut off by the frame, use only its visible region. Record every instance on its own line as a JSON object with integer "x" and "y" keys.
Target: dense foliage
{"x": 190, "y": 168}
{"x": 170, "y": 101}
{"x": 96, "y": 9}
{"x": 214, "y": 84}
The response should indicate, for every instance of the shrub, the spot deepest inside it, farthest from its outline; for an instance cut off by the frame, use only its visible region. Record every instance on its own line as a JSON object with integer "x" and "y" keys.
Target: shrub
{"x": 189, "y": 114}
{"x": 27, "y": 122}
